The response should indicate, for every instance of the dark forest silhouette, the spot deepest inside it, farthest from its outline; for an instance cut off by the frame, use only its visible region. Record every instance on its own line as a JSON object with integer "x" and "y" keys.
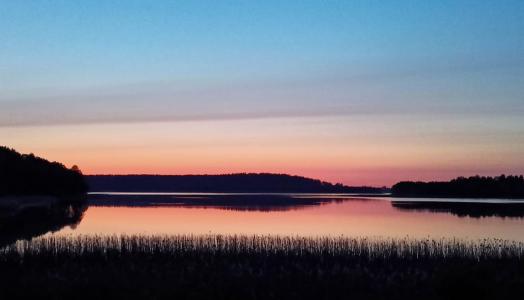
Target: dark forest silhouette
{"x": 472, "y": 187}
{"x": 239, "y": 183}
{"x": 37, "y": 196}
{"x": 27, "y": 174}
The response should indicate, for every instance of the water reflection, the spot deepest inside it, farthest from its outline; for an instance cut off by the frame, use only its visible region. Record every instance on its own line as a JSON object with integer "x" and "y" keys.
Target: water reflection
{"x": 294, "y": 215}
{"x": 27, "y": 223}
{"x": 464, "y": 209}
{"x": 286, "y": 202}
{"x": 277, "y": 214}
{"x": 239, "y": 202}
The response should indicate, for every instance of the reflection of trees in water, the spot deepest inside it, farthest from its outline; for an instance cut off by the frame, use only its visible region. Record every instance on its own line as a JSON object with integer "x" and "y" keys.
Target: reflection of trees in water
{"x": 34, "y": 222}
{"x": 461, "y": 209}
{"x": 260, "y": 203}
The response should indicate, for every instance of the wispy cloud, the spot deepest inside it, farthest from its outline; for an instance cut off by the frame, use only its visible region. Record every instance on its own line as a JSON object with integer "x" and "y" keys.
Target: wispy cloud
{"x": 406, "y": 90}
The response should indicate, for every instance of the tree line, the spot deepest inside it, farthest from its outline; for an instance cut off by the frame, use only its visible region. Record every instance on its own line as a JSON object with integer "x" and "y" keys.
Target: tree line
{"x": 471, "y": 187}
{"x": 240, "y": 183}
{"x": 27, "y": 174}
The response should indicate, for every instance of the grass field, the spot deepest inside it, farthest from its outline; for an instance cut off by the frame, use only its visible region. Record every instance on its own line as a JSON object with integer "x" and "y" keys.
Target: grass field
{"x": 260, "y": 267}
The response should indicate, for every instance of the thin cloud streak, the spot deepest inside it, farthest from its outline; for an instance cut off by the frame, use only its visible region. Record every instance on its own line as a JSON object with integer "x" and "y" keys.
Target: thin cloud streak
{"x": 378, "y": 92}
{"x": 164, "y": 102}
{"x": 64, "y": 113}
{"x": 84, "y": 120}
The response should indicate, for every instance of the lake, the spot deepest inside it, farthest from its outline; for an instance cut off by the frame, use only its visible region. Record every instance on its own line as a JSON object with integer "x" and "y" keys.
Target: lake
{"x": 299, "y": 214}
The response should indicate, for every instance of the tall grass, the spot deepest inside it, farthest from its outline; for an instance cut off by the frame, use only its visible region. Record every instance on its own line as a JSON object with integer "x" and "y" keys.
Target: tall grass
{"x": 369, "y": 248}
{"x": 260, "y": 267}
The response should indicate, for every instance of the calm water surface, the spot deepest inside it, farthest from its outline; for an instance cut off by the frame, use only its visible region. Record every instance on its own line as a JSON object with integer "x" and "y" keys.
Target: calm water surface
{"x": 304, "y": 215}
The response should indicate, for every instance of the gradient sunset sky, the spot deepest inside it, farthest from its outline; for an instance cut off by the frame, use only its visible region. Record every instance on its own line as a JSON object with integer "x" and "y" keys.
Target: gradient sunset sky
{"x": 358, "y": 92}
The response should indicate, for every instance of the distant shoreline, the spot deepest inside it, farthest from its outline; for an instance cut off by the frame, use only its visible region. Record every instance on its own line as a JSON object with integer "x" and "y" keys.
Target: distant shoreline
{"x": 167, "y": 193}
{"x": 225, "y": 183}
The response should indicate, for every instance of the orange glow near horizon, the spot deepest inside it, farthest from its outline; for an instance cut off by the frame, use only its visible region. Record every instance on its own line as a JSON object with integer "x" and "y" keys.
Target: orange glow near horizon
{"x": 349, "y": 151}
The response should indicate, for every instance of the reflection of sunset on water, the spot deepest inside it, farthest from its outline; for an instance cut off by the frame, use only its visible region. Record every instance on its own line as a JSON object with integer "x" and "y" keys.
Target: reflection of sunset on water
{"x": 348, "y": 218}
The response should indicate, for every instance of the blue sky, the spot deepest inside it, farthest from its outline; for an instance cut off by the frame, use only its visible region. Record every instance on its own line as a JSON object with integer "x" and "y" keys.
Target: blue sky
{"x": 67, "y": 63}
{"x": 52, "y": 43}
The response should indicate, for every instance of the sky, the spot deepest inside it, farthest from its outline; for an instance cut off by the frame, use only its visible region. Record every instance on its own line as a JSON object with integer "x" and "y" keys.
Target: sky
{"x": 357, "y": 92}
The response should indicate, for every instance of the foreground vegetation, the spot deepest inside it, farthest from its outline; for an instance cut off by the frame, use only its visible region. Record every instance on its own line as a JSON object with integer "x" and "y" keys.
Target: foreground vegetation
{"x": 260, "y": 267}
{"x": 472, "y": 187}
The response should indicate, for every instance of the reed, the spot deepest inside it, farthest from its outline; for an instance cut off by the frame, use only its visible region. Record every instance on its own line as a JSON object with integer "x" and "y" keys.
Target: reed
{"x": 260, "y": 267}
{"x": 368, "y": 248}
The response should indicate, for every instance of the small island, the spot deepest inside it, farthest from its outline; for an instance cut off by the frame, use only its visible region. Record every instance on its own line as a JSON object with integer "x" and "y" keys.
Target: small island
{"x": 506, "y": 187}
